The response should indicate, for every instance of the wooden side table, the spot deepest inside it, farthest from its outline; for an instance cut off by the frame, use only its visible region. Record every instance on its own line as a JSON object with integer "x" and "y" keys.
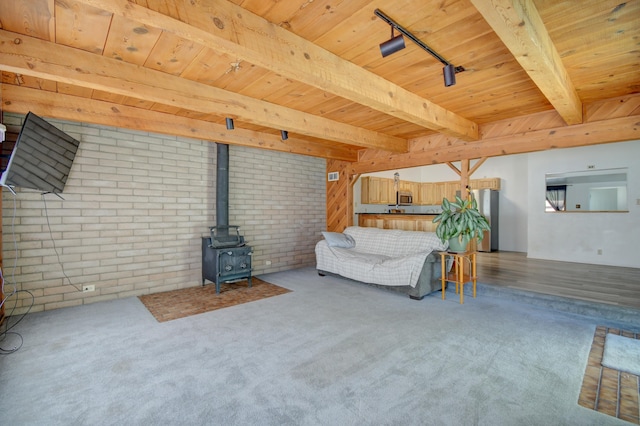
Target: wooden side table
{"x": 457, "y": 275}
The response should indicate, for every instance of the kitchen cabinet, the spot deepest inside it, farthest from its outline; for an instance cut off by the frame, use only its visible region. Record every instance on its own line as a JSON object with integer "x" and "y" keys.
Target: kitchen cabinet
{"x": 376, "y": 190}
{"x": 432, "y": 193}
{"x": 406, "y": 222}
{"x": 485, "y": 183}
{"x": 450, "y": 189}
{"x": 370, "y": 220}
{"x": 439, "y": 192}
{"x": 414, "y": 187}
{"x": 404, "y": 185}
{"x": 428, "y": 194}
{"x": 387, "y": 191}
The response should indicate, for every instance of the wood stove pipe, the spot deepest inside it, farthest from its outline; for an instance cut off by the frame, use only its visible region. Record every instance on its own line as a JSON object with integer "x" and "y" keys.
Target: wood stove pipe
{"x": 222, "y": 185}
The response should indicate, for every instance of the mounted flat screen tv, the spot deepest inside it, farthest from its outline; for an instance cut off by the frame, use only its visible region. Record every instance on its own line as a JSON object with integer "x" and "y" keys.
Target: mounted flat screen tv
{"x": 41, "y": 158}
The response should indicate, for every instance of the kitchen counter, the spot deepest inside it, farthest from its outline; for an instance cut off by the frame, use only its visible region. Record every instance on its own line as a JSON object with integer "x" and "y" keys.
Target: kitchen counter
{"x": 404, "y": 221}
{"x": 404, "y": 214}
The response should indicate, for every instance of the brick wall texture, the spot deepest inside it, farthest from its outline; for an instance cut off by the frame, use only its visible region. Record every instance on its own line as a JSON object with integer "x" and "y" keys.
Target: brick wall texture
{"x": 135, "y": 208}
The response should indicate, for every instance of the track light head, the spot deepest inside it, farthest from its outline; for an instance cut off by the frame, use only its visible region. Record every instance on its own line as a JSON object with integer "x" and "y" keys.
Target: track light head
{"x": 230, "y": 125}
{"x": 449, "y": 73}
{"x": 397, "y": 43}
{"x": 284, "y": 135}
{"x": 392, "y": 45}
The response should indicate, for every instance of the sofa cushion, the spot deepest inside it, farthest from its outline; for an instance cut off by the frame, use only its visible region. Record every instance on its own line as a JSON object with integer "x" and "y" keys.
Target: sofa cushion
{"x": 394, "y": 242}
{"x": 336, "y": 239}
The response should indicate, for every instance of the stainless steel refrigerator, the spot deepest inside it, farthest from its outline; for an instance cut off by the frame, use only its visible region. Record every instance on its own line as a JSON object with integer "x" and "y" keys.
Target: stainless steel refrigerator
{"x": 489, "y": 207}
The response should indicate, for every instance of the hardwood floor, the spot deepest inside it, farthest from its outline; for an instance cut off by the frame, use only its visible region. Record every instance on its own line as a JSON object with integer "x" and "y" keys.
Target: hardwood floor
{"x": 596, "y": 283}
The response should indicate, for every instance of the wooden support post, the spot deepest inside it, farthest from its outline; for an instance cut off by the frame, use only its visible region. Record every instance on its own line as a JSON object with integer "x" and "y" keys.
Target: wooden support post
{"x": 464, "y": 179}
{"x": 352, "y": 181}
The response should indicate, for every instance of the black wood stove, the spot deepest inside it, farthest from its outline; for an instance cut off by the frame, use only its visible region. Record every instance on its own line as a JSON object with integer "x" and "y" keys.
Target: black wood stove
{"x": 225, "y": 257}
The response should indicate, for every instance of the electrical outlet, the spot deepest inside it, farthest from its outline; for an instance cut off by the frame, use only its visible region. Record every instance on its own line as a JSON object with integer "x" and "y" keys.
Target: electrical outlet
{"x": 599, "y": 251}
{"x": 591, "y": 166}
{"x": 88, "y": 288}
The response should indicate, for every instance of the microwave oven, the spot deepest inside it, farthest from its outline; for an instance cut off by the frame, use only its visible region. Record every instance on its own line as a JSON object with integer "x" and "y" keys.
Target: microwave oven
{"x": 404, "y": 198}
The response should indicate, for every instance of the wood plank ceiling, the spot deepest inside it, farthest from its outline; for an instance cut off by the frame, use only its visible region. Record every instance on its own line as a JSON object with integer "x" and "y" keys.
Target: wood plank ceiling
{"x": 313, "y": 67}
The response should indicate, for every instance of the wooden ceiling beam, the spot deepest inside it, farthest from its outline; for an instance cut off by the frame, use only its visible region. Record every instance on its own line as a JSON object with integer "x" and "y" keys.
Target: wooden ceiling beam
{"x": 454, "y": 168}
{"x": 30, "y": 56}
{"x": 228, "y": 28}
{"x": 521, "y": 29}
{"x": 596, "y": 132}
{"x": 66, "y": 107}
{"x": 477, "y": 165}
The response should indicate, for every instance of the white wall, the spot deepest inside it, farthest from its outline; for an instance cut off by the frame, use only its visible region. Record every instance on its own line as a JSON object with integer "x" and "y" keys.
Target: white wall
{"x": 577, "y": 236}
{"x": 514, "y": 204}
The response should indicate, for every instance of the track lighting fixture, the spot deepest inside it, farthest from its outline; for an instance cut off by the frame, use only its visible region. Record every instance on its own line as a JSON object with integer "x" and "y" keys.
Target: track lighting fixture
{"x": 392, "y": 45}
{"x": 230, "y": 125}
{"x": 284, "y": 135}
{"x": 449, "y": 73}
{"x": 397, "y": 43}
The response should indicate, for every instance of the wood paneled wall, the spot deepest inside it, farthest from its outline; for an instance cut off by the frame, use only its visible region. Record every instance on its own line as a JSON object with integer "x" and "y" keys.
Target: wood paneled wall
{"x": 339, "y": 214}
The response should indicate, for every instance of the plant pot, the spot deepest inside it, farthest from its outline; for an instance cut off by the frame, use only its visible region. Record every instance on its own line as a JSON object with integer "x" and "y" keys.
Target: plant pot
{"x": 459, "y": 244}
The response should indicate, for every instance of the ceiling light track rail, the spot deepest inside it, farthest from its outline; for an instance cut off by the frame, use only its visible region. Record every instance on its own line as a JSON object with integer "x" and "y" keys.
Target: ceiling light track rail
{"x": 449, "y": 70}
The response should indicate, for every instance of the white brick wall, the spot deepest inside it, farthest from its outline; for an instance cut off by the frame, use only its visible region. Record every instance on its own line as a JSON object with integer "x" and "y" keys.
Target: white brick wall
{"x": 284, "y": 198}
{"x": 136, "y": 206}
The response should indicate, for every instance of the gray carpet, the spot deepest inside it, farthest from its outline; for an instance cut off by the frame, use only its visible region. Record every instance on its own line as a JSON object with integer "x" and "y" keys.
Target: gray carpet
{"x": 622, "y": 353}
{"x": 332, "y": 352}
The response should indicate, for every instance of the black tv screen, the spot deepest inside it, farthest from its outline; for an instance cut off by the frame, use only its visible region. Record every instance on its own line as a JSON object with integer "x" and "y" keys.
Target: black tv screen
{"x": 41, "y": 158}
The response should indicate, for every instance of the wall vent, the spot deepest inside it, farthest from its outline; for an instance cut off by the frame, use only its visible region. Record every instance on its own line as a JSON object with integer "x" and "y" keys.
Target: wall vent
{"x": 333, "y": 176}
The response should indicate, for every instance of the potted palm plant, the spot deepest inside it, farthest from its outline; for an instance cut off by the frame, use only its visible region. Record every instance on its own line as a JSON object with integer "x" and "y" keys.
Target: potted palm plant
{"x": 460, "y": 222}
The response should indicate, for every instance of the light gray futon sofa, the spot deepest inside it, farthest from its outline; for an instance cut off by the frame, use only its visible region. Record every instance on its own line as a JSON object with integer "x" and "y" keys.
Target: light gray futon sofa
{"x": 406, "y": 261}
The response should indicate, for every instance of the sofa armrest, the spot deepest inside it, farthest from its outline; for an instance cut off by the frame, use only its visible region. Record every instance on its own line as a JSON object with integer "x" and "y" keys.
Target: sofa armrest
{"x": 430, "y": 277}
